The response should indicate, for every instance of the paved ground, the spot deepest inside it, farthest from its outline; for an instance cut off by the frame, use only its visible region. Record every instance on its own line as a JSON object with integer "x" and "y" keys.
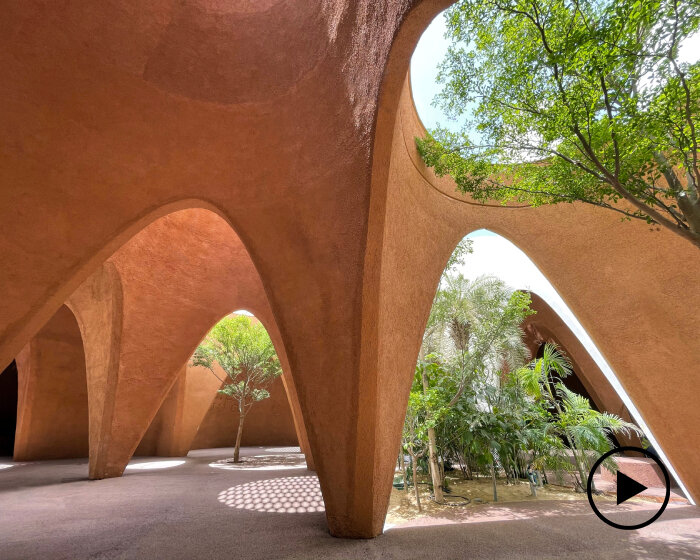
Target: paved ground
{"x": 202, "y": 507}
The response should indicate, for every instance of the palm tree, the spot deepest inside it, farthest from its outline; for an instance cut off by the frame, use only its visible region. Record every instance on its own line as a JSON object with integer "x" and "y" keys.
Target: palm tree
{"x": 474, "y": 328}
{"x": 584, "y": 430}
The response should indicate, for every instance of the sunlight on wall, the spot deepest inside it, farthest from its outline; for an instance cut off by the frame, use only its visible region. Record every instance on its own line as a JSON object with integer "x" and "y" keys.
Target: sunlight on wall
{"x": 154, "y": 465}
{"x": 296, "y": 494}
{"x": 495, "y": 255}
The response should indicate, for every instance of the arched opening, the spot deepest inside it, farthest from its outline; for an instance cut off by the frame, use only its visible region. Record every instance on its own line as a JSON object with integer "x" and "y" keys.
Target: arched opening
{"x": 593, "y": 377}
{"x": 209, "y": 418}
{"x": 206, "y": 419}
{"x": 496, "y": 257}
{"x": 269, "y": 423}
{"x": 8, "y": 409}
{"x": 140, "y": 315}
{"x": 164, "y": 309}
{"x": 53, "y": 396}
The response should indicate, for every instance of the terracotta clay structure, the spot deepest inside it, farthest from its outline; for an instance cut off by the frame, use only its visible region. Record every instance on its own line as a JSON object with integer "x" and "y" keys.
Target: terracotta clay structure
{"x": 166, "y": 163}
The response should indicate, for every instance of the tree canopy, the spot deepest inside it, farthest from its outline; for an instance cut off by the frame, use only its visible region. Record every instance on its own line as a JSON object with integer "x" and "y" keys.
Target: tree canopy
{"x": 574, "y": 100}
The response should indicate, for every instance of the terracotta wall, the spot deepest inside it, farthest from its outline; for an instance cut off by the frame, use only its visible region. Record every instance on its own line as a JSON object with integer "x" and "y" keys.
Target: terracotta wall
{"x": 175, "y": 425}
{"x": 52, "y": 411}
{"x": 345, "y": 235}
{"x": 269, "y": 422}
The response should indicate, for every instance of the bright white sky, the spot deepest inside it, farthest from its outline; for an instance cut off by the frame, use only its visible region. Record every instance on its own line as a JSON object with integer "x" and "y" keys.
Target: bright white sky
{"x": 493, "y": 254}
{"x": 496, "y": 256}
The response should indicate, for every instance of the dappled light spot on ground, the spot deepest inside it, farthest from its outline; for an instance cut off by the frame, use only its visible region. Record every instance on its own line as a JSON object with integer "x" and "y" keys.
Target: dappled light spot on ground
{"x": 5, "y": 466}
{"x": 283, "y": 450}
{"x": 296, "y": 494}
{"x": 262, "y": 463}
{"x": 154, "y": 465}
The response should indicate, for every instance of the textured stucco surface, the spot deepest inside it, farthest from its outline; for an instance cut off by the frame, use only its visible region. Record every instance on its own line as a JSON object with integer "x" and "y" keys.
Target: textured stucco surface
{"x": 127, "y": 126}
{"x": 143, "y": 314}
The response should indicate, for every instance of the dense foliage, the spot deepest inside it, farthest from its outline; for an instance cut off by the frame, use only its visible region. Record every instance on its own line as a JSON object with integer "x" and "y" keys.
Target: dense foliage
{"x": 567, "y": 101}
{"x": 477, "y": 403}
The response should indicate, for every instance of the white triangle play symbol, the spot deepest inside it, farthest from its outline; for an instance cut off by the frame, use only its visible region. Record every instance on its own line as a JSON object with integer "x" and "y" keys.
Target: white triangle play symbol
{"x": 627, "y": 487}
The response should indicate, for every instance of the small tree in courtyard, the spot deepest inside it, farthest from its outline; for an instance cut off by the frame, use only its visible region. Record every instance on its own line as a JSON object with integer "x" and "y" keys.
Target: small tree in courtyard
{"x": 245, "y": 352}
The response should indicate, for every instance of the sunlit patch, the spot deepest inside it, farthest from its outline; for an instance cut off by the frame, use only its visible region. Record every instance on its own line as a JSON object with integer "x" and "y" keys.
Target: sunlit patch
{"x": 262, "y": 463}
{"x": 283, "y": 450}
{"x": 295, "y": 494}
{"x": 153, "y": 465}
{"x": 5, "y": 466}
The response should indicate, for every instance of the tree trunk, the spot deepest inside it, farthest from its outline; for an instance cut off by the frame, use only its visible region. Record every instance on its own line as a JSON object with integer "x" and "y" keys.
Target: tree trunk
{"x": 493, "y": 478}
{"x": 588, "y": 470}
{"x": 579, "y": 467}
{"x": 434, "y": 467}
{"x": 239, "y": 436}
{"x": 432, "y": 454}
{"x": 414, "y": 465}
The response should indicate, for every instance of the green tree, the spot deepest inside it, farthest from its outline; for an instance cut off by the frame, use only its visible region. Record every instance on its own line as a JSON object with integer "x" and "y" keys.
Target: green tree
{"x": 473, "y": 331}
{"x": 414, "y": 439}
{"x": 245, "y": 352}
{"x": 574, "y": 101}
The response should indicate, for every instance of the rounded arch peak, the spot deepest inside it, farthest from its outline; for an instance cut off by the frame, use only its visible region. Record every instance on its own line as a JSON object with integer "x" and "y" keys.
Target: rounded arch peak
{"x": 19, "y": 332}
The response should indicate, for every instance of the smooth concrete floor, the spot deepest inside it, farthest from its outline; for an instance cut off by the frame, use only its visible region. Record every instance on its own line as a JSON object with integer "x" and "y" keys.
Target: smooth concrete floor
{"x": 201, "y": 507}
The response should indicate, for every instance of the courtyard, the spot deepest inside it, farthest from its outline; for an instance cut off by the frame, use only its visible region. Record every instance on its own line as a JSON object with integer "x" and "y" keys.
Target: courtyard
{"x": 241, "y": 290}
{"x": 270, "y": 507}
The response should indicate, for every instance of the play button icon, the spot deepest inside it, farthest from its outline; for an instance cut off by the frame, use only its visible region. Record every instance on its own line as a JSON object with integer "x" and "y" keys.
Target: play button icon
{"x": 627, "y": 487}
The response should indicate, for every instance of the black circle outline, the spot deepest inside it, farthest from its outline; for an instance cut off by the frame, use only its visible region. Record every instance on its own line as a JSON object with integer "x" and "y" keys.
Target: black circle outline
{"x": 589, "y": 489}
